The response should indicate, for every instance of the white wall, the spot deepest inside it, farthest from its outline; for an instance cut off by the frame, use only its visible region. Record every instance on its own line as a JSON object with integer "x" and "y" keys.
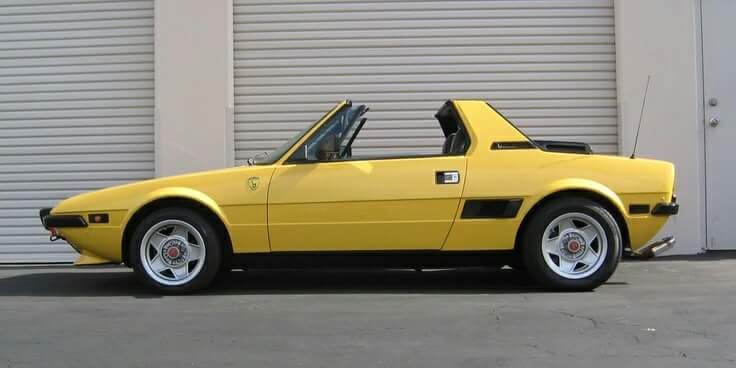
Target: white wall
{"x": 194, "y": 85}
{"x": 662, "y": 38}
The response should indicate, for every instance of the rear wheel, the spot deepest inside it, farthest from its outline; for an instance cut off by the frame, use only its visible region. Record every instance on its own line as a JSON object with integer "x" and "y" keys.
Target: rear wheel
{"x": 572, "y": 244}
{"x": 176, "y": 250}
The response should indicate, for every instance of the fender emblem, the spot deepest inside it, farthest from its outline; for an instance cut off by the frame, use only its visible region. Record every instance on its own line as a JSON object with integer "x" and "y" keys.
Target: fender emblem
{"x": 253, "y": 182}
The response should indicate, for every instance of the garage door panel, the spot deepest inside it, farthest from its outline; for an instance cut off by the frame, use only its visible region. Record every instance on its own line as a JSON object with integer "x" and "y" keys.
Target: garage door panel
{"x": 78, "y": 51}
{"x": 78, "y": 185}
{"x": 79, "y": 131}
{"x": 72, "y": 17}
{"x": 48, "y": 7}
{"x": 25, "y": 243}
{"x": 320, "y": 98}
{"x": 76, "y": 96}
{"x": 411, "y": 60}
{"x": 339, "y": 24}
{"x": 328, "y": 15}
{"x": 75, "y": 69}
{"x": 19, "y": 221}
{"x": 434, "y": 77}
{"x": 100, "y": 104}
{"x": 74, "y": 77}
{"x": 77, "y": 60}
{"x": 79, "y": 113}
{"x": 109, "y": 158}
{"x": 51, "y": 252}
{"x": 549, "y": 65}
{"x": 265, "y": 71}
{"x": 358, "y": 5}
{"x": 76, "y": 110}
{"x": 531, "y": 125}
{"x": 73, "y": 123}
{"x": 72, "y": 35}
{"x": 426, "y": 51}
{"x": 75, "y": 167}
{"x": 450, "y": 87}
{"x": 592, "y": 134}
{"x": 76, "y": 140}
{"x": 56, "y": 177}
{"x": 28, "y": 45}
{"x": 21, "y": 195}
{"x": 87, "y": 148}
{"x": 568, "y": 34}
{"x": 429, "y": 105}
{"x": 97, "y": 86}
{"x": 90, "y": 25}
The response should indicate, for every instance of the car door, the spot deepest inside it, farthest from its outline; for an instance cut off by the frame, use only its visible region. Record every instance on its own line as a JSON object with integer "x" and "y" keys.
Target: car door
{"x": 365, "y": 205}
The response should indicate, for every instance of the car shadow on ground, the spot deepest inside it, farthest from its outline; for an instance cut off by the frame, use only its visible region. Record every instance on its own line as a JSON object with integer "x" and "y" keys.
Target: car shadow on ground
{"x": 118, "y": 281}
{"x": 106, "y": 281}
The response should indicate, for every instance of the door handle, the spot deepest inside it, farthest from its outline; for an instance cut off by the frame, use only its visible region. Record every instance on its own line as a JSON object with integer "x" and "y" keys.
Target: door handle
{"x": 714, "y": 121}
{"x": 447, "y": 177}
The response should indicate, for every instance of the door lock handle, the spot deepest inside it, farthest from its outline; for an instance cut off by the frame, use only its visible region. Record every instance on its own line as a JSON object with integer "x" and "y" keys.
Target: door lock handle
{"x": 714, "y": 121}
{"x": 447, "y": 177}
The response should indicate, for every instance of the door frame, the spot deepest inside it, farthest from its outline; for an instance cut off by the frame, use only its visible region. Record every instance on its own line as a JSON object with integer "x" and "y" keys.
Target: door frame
{"x": 708, "y": 241}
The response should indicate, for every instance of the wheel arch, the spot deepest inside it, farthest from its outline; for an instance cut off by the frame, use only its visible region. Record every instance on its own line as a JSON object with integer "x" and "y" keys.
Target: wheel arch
{"x": 603, "y": 196}
{"x": 175, "y": 197}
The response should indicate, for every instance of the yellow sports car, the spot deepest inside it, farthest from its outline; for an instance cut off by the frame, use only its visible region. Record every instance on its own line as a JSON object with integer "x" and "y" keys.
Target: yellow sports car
{"x": 490, "y": 196}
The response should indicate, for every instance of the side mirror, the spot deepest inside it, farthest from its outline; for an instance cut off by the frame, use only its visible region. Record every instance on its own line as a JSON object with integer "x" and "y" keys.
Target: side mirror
{"x": 328, "y": 149}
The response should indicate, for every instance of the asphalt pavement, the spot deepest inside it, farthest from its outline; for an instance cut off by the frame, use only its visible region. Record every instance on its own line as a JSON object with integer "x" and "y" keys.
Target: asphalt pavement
{"x": 675, "y": 312}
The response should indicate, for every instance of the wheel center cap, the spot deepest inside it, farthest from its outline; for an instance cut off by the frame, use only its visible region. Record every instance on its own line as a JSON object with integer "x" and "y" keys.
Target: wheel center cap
{"x": 572, "y": 245}
{"x": 174, "y": 252}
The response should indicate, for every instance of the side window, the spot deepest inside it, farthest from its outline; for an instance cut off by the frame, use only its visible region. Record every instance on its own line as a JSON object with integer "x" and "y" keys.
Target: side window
{"x": 343, "y": 138}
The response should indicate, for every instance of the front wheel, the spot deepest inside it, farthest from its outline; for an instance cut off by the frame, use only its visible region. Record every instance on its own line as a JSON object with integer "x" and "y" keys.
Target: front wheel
{"x": 176, "y": 250}
{"x": 572, "y": 244}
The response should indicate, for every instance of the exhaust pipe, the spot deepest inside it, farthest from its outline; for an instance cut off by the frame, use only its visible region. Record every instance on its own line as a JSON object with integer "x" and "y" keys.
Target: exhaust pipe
{"x": 651, "y": 250}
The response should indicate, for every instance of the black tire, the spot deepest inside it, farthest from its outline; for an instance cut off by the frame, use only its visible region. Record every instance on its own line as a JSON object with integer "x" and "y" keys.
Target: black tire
{"x": 531, "y": 243}
{"x": 213, "y": 249}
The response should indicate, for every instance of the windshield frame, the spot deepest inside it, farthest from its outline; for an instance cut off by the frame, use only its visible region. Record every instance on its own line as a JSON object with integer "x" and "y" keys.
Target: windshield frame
{"x": 279, "y": 154}
{"x": 323, "y": 131}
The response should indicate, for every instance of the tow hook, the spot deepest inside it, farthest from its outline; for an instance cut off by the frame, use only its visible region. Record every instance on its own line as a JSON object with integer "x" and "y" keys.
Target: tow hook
{"x": 54, "y": 235}
{"x": 651, "y": 250}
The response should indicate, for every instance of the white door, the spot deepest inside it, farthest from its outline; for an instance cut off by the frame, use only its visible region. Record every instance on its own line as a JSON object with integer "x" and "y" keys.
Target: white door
{"x": 76, "y": 110}
{"x": 549, "y": 65}
{"x": 719, "y": 58}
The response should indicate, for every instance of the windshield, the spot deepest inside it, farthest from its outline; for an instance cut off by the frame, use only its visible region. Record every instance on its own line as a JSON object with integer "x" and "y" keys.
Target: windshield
{"x": 337, "y": 128}
{"x": 268, "y": 158}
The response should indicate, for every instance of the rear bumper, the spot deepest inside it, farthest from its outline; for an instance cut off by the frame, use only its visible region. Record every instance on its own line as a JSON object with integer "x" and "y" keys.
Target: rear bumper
{"x": 53, "y": 221}
{"x": 651, "y": 250}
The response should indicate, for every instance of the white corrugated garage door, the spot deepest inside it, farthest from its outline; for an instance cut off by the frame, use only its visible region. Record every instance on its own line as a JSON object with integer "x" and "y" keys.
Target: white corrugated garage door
{"x": 76, "y": 110}
{"x": 548, "y": 65}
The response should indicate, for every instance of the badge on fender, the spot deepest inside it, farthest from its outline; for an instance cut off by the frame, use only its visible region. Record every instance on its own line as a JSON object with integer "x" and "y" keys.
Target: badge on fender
{"x": 253, "y": 182}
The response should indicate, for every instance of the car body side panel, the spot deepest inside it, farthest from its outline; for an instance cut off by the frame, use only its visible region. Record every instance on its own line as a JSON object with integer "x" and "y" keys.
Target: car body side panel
{"x": 225, "y": 192}
{"x": 389, "y": 204}
{"x": 533, "y": 174}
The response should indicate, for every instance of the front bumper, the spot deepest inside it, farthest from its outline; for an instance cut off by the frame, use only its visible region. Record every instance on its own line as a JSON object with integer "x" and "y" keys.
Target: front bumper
{"x": 50, "y": 221}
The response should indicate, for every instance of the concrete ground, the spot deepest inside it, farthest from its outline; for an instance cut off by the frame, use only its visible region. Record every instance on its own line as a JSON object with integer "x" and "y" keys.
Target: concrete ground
{"x": 664, "y": 313}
